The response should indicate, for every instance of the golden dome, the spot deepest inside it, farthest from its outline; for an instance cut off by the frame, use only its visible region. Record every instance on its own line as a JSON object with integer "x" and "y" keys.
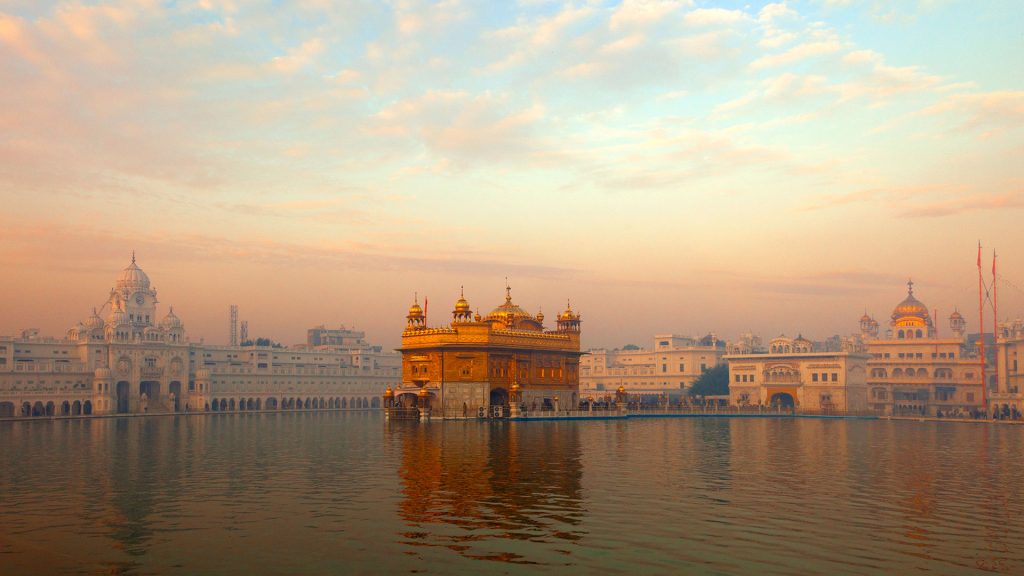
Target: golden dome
{"x": 568, "y": 314}
{"x": 540, "y": 316}
{"x": 415, "y": 311}
{"x": 910, "y": 306}
{"x": 388, "y": 392}
{"x": 461, "y": 305}
{"x": 508, "y": 311}
{"x": 955, "y": 315}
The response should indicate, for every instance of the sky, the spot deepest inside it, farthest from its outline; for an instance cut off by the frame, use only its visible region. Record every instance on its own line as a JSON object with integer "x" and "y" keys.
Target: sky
{"x": 668, "y": 166}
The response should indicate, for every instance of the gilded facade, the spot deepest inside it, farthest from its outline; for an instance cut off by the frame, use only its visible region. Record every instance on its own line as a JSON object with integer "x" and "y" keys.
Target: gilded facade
{"x": 489, "y": 364}
{"x": 124, "y": 359}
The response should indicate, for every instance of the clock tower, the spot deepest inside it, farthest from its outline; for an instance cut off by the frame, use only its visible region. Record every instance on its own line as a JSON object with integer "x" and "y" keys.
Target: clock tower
{"x": 133, "y": 300}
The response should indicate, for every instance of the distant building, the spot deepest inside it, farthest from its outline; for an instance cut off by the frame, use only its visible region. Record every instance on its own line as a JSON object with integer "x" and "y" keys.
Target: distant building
{"x": 912, "y": 371}
{"x": 335, "y": 338}
{"x": 129, "y": 361}
{"x": 485, "y": 363}
{"x": 1009, "y": 393}
{"x": 791, "y": 374}
{"x": 669, "y": 367}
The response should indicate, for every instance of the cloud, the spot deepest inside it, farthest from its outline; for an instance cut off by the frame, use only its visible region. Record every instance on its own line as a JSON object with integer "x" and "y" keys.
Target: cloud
{"x": 963, "y": 204}
{"x": 298, "y": 57}
{"x": 995, "y": 111}
{"x": 463, "y": 126}
{"x": 772, "y": 12}
{"x": 714, "y": 17}
{"x": 797, "y": 53}
{"x": 641, "y": 13}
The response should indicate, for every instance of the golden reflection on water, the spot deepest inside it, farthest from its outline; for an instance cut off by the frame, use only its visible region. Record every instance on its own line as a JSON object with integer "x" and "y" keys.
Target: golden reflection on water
{"x": 488, "y": 482}
{"x": 351, "y": 493}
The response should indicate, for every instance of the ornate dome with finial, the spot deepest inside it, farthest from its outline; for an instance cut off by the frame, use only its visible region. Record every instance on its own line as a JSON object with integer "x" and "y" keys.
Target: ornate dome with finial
{"x": 171, "y": 321}
{"x": 415, "y": 311}
{"x": 93, "y": 322}
{"x": 910, "y": 308}
{"x": 133, "y": 278}
{"x": 461, "y": 305}
{"x": 508, "y": 312}
{"x": 568, "y": 314}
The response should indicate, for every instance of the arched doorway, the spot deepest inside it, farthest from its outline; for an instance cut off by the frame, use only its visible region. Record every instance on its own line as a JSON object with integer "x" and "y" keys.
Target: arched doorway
{"x": 76, "y": 408}
{"x": 87, "y": 408}
{"x": 499, "y": 397}
{"x": 121, "y": 390}
{"x": 175, "y": 394}
{"x": 782, "y": 400}
{"x": 152, "y": 391}
{"x": 65, "y": 408}
{"x": 215, "y": 406}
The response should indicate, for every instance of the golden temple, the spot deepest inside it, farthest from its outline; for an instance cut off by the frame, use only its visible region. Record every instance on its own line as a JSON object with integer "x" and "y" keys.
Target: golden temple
{"x": 495, "y": 365}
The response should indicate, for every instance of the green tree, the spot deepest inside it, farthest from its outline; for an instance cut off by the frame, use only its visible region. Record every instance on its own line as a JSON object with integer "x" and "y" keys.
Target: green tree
{"x": 713, "y": 382}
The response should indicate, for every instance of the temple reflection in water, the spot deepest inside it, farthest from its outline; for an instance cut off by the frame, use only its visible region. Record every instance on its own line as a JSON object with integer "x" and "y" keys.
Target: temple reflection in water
{"x": 512, "y": 481}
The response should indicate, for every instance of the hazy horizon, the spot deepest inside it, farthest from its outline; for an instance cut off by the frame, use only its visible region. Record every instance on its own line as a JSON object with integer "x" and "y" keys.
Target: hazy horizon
{"x": 684, "y": 167}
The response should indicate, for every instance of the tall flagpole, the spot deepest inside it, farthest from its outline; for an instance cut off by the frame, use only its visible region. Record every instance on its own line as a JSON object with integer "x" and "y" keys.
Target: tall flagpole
{"x": 981, "y": 335}
{"x": 995, "y": 317}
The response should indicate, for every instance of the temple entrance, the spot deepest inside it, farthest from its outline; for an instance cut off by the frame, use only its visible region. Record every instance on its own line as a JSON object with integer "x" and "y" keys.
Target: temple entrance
{"x": 151, "y": 389}
{"x": 122, "y": 397}
{"x": 175, "y": 391}
{"x": 782, "y": 400}
{"x": 499, "y": 402}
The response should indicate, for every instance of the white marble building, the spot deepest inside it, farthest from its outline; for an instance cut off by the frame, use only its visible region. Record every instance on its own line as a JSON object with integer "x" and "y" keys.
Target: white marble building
{"x": 122, "y": 359}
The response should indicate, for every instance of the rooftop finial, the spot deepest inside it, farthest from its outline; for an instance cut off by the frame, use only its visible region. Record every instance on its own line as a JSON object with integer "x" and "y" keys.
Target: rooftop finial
{"x": 462, "y": 291}
{"x": 133, "y": 256}
{"x": 508, "y": 291}
{"x": 416, "y": 297}
{"x": 910, "y": 286}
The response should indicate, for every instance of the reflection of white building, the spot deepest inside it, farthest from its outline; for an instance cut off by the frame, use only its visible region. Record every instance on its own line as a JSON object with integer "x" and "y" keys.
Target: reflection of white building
{"x": 121, "y": 359}
{"x": 671, "y": 367}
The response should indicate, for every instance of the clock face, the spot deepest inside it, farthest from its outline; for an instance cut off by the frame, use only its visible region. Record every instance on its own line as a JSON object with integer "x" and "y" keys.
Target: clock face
{"x": 139, "y": 299}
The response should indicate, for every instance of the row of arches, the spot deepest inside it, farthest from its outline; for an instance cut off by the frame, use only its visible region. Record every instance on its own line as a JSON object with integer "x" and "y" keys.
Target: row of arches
{"x": 49, "y": 408}
{"x": 294, "y": 403}
{"x": 944, "y": 373}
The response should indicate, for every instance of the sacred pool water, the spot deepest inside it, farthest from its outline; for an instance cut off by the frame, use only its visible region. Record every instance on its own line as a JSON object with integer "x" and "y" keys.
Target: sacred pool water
{"x": 317, "y": 493}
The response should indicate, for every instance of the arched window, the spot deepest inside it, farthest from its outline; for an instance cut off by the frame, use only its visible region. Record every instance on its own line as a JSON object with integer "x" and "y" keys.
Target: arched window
{"x": 918, "y": 334}
{"x": 901, "y": 335}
